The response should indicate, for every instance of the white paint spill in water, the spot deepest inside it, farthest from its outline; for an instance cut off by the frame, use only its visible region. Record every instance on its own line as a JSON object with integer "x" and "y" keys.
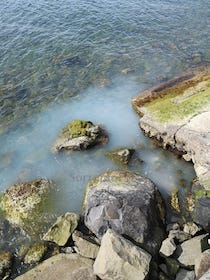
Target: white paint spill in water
{"x": 29, "y": 148}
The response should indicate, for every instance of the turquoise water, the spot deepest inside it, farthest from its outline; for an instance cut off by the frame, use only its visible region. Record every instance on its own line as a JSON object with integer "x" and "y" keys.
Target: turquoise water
{"x": 61, "y": 60}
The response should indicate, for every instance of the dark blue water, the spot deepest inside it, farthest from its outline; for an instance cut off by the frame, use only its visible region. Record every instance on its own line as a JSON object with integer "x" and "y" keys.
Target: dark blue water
{"x": 67, "y": 59}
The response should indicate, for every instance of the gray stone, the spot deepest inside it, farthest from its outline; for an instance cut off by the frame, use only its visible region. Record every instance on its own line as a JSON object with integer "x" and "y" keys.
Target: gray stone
{"x": 202, "y": 212}
{"x": 121, "y": 155}
{"x": 174, "y": 226}
{"x": 179, "y": 235}
{"x": 5, "y": 264}
{"x": 206, "y": 276}
{"x": 191, "y": 228}
{"x": 79, "y": 135}
{"x": 62, "y": 266}
{"x": 123, "y": 201}
{"x": 202, "y": 264}
{"x": 191, "y": 249}
{"x": 168, "y": 247}
{"x": 184, "y": 274}
{"x": 62, "y": 229}
{"x": 118, "y": 258}
{"x": 86, "y": 246}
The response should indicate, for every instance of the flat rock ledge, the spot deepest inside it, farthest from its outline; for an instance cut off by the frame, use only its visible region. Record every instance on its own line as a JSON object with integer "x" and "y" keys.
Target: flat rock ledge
{"x": 177, "y": 114}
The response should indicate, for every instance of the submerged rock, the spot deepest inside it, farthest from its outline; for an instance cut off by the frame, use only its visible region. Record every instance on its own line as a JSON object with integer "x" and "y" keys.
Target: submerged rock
{"x": 25, "y": 204}
{"x": 118, "y": 258}
{"x": 62, "y": 266}
{"x": 80, "y": 135}
{"x": 121, "y": 155}
{"x": 177, "y": 114}
{"x": 36, "y": 253}
{"x": 129, "y": 204}
{"x": 62, "y": 229}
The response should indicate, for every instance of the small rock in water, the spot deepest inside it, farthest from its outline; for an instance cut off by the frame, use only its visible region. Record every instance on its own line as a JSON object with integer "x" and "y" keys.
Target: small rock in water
{"x": 70, "y": 61}
{"x": 36, "y": 253}
{"x": 80, "y": 135}
{"x": 121, "y": 155}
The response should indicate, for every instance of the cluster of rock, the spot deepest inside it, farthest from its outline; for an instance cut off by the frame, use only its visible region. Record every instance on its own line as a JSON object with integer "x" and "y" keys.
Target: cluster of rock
{"x": 122, "y": 235}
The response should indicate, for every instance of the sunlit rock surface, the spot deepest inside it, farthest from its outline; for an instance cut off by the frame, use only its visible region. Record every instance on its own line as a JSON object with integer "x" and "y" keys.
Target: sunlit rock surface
{"x": 177, "y": 113}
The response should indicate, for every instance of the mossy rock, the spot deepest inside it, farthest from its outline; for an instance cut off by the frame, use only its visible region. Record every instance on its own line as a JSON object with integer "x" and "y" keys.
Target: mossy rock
{"x": 77, "y": 128}
{"x": 80, "y": 135}
{"x": 36, "y": 253}
{"x": 121, "y": 156}
{"x": 26, "y": 204}
{"x": 175, "y": 200}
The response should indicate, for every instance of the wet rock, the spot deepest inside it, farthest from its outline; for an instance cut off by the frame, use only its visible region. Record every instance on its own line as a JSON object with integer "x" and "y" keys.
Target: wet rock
{"x": 86, "y": 246}
{"x": 121, "y": 155}
{"x": 118, "y": 258}
{"x": 79, "y": 135}
{"x": 175, "y": 200}
{"x": 36, "y": 253}
{"x": 168, "y": 247}
{"x": 191, "y": 228}
{"x": 24, "y": 204}
{"x": 202, "y": 264}
{"x": 62, "y": 266}
{"x": 191, "y": 249}
{"x": 5, "y": 264}
{"x": 62, "y": 229}
{"x": 202, "y": 212}
{"x": 122, "y": 201}
{"x": 184, "y": 274}
{"x": 177, "y": 114}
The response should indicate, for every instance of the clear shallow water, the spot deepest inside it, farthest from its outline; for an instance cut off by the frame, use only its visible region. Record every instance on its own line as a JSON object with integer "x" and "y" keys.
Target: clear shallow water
{"x": 61, "y": 60}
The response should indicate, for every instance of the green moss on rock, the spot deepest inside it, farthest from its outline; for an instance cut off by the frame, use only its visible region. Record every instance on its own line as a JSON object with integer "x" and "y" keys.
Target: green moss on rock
{"x": 36, "y": 253}
{"x": 77, "y": 128}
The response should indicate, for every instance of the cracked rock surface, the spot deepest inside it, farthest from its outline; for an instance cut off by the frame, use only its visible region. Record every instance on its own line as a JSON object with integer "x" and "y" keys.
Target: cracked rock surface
{"x": 177, "y": 113}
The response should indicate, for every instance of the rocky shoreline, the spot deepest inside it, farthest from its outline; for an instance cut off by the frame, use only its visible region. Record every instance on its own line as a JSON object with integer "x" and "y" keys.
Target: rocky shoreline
{"x": 122, "y": 233}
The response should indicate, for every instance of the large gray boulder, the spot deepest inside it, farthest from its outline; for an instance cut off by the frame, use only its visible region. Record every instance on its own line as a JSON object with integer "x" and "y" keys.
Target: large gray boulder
{"x": 127, "y": 203}
{"x": 118, "y": 259}
{"x": 62, "y": 266}
{"x": 79, "y": 135}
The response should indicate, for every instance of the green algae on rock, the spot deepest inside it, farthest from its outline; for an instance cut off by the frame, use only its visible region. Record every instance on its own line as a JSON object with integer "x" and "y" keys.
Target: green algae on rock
{"x": 25, "y": 204}
{"x": 177, "y": 114}
{"x": 62, "y": 229}
{"x": 36, "y": 253}
{"x": 80, "y": 135}
{"x": 121, "y": 155}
